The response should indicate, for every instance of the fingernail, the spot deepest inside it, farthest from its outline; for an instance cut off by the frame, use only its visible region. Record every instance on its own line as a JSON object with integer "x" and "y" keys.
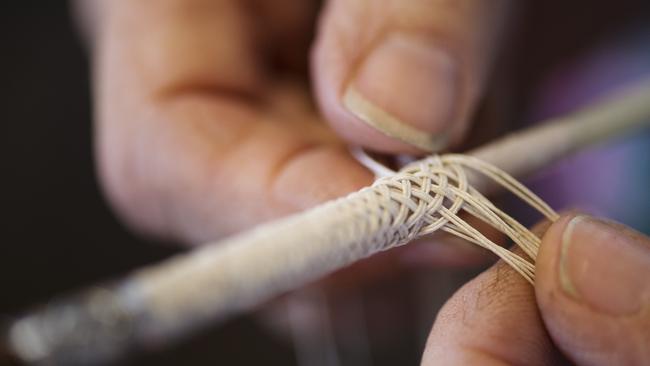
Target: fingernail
{"x": 604, "y": 266}
{"x": 407, "y": 89}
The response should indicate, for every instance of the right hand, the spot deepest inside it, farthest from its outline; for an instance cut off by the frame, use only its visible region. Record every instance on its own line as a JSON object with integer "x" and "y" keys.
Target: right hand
{"x": 590, "y": 304}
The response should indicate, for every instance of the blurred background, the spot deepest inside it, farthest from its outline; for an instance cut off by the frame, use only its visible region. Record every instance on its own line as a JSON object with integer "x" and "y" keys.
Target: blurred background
{"x": 58, "y": 233}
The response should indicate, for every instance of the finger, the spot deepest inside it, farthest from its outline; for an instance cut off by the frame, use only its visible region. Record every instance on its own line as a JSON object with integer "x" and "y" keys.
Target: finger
{"x": 177, "y": 44}
{"x": 148, "y": 58}
{"x": 492, "y": 320}
{"x": 593, "y": 291}
{"x": 404, "y": 76}
{"x": 194, "y": 142}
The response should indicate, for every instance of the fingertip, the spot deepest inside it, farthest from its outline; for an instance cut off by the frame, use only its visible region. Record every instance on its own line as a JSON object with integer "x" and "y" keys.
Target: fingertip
{"x": 591, "y": 286}
{"x": 312, "y": 170}
{"x": 400, "y": 98}
{"x": 401, "y": 79}
{"x": 404, "y": 78}
{"x": 548, "y": 251}
{"x": 485, "y": 318}
{"x": 329, "y": 70}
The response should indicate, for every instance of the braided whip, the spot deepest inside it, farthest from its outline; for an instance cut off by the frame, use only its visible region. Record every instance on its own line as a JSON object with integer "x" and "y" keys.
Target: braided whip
{"x": 163, "y": 302}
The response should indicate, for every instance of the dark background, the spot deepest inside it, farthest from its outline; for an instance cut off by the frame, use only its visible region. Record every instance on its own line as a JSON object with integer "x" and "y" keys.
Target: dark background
{"x": 56, "y": 231}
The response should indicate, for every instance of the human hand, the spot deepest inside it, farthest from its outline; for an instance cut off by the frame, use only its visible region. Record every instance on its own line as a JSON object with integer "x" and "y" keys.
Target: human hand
{"x": 590, "y": 304}
{"x": 204, "y": 124}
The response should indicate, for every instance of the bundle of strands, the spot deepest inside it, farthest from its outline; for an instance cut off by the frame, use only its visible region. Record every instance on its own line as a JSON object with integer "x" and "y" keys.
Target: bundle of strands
{"x": 166, "y": 301}
{"x": 429, "y": 196}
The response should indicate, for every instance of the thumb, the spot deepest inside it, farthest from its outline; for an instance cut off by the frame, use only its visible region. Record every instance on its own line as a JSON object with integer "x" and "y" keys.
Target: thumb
{"x": 593, "y": 289}
{"x": 403, "y": 76}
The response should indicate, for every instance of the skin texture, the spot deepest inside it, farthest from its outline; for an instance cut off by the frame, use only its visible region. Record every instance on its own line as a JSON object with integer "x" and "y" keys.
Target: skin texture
{"x": 603, "y": 318}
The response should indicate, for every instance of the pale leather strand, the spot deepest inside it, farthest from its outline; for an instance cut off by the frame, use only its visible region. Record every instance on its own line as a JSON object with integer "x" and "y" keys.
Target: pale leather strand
{"x": 420, "y": 199}
{"x": 429, "y": 195}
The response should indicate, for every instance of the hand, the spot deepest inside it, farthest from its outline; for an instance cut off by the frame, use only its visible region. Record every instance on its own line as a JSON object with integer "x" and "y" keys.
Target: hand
{"x": 204, "y": 123}
{"x": 590, "y": 304}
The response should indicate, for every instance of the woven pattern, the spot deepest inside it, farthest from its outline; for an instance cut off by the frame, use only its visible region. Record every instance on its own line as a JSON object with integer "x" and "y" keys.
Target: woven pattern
{"x": 431, "y": 195}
